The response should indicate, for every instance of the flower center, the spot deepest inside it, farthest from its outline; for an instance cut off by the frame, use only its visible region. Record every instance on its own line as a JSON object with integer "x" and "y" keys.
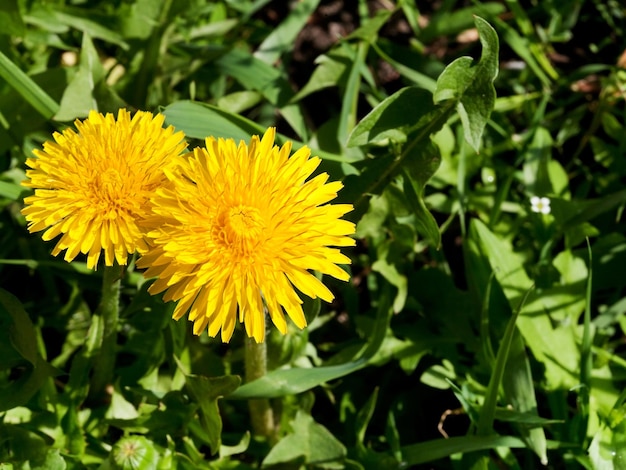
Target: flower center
{"x": 240, "y": 229}
{"x": 111, "y": 192}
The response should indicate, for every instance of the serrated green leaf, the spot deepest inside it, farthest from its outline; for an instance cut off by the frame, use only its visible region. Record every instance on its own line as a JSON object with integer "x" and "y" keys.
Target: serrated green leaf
{"x": 310, "y": 443}
{"x": 470, "y": 85}
{"x": 206, "y": 391}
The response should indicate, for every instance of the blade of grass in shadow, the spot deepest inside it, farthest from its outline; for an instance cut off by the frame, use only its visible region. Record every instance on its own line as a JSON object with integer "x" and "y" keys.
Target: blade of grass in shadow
{"x": 485, "y": 338}
{"x": 26, "y": 87}
{"x": 488, "y": 411}
{"x": 585, "y": 358}
{"x": 367, "y": 34}
{"x": 519, "y": 393}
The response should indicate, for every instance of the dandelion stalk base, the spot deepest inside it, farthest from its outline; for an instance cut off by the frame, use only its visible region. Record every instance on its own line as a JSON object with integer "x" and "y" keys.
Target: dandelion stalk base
{"x": 261, "y": 412}
{"x": 108, "y": 313}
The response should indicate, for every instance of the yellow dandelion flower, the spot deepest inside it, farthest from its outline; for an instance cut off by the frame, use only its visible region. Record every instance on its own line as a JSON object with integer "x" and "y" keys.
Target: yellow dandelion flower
{"x": 94, "y": 186}
{"x": 240, "y": 229}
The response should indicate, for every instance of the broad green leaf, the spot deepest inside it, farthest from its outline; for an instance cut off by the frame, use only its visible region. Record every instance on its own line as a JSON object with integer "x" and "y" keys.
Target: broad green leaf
{"x": 537, "y": 330}
{"x": 309, "y": 443}
{"x": 18, "y": 330}
{"x": 429, "y": 451}
{"x": 388, "y": 121}
{"x": 470, "y": 85}
{"x": 380, "y": 171}
{"x": 73, "y": 432}
{"x": 54, "y": 461}
{"x": 201, "y": 120}
{"x": 138, "y": 19}
{"x": 120, "y": 408}
{"x": 567, "y": 298}
{"x": 331, "y": 71}
{"x": 11, "y": 191}
{"x": 239, "y": 101}
{"x": 439, "y": 376}
{"x": 297, "y": 380}
{"x": 519, "y": 392}
{"x": 31, "y": 379}
{"x": 78, "y": 98}
{"x": 608, "y": 447}
{"x": 538, "y": 157}
{"x": 206, "y": 391}
{"x": 26, "y": 87}
{"x": 391, "y": 274}
{"x": 239, "y": 448}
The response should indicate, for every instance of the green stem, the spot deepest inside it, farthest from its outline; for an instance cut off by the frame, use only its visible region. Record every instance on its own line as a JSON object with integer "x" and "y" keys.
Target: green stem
{"x": 261, "y": 412}
{"x": 107, "y": 313}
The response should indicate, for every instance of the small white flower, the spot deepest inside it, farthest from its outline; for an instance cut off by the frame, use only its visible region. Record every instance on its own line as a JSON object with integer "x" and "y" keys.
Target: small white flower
{"x": 541, "y": 205}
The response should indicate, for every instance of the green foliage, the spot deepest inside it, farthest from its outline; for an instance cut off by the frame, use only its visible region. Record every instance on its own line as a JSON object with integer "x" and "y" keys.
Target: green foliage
{"x": 470, "y": 313}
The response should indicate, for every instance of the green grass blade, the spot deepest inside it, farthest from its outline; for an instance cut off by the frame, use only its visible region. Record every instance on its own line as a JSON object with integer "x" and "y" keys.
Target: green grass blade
{"x": 26, "y": 87}
{"x": 488, "y": 411}
{"x": 519, "y": 392}
{"x": 293, "y": 381}
{"x": 437, "y": 449}
{"x": 585, "y": 356}
{"x": 282, "y": 38}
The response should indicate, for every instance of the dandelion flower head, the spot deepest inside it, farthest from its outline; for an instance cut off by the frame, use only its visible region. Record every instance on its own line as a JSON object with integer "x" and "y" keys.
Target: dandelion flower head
{"x": 93, "y": 186}
{"x": 241, "y": 229}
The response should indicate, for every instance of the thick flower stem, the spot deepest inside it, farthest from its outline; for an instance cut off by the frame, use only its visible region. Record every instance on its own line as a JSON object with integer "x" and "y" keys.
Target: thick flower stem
{"x": 107, "y": 313}
{"x": 261, "y": 412}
